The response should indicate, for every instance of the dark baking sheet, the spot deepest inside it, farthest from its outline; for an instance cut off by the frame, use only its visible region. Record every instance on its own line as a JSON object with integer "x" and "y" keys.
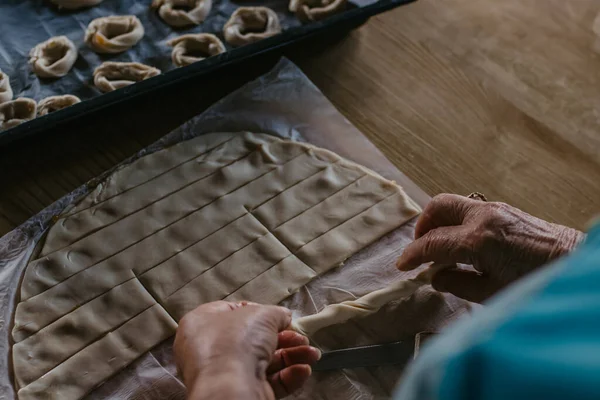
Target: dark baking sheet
{"x": 24, "y": 23}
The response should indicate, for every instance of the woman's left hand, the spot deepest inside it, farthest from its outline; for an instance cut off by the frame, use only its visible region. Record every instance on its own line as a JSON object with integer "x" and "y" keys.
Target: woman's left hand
{"x": 501, "y": 242}
{"x": 241, "y": 350}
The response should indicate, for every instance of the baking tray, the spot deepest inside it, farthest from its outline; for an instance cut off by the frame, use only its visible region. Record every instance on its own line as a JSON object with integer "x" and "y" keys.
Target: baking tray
{"x": 292, "y": 34}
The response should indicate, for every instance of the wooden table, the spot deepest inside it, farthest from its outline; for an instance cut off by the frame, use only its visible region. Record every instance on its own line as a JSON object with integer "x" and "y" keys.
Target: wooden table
{"x": 501, "y": 97}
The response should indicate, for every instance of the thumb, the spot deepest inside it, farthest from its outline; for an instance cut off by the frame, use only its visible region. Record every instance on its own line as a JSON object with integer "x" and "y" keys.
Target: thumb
{"x": 444, "y": 245}
{"x": 277, "y": 318}
{"x": 469, "y": 285}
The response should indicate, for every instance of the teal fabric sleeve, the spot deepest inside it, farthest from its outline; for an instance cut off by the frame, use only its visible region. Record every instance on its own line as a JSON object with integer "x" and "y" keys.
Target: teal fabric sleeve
{"x": 539, "y": 339}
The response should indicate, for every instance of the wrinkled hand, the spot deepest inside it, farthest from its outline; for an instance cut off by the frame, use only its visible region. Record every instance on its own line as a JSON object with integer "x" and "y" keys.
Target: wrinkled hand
{"x": 500, "y": 241}
{"x": 241, "y": 350}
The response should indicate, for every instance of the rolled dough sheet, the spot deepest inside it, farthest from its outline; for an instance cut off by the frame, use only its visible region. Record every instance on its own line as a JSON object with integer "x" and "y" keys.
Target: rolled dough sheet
{"x": 222, "y": 216}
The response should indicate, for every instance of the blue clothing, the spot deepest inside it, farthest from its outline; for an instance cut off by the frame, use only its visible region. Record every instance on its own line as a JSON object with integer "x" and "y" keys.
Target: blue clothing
{"x": 538, "y": 340}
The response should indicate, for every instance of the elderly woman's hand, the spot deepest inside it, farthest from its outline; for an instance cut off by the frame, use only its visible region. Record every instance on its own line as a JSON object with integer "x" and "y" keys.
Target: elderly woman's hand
{"x": 241, "y": 350}
{"x": 500, "y": 241}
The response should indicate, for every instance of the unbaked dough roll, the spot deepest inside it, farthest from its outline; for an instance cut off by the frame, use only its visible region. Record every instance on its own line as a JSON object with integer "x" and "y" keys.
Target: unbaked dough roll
{"x": 13, "y": 113}
{"x": 114, "y": 34}
{"x": 314, "y": 10}
{"x": 53, "y": 58}
{"x": 6, "y": 92}
{"x": 55, "y": 103}
{"x": 251, "y": 24}
{"x": 188, "y": 49}
{"x": 75, "y": 4}
{"x": 368, "y": 304}
{"x": 114, "y": 75}
{"x": 194, "y": 12}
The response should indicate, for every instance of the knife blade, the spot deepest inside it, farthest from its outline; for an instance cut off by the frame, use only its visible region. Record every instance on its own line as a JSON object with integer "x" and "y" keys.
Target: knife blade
{"x": 396, "y": 353}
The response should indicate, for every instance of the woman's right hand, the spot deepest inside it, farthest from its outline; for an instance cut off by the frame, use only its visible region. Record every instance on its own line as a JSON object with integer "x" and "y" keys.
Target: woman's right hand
{"x": 243, "y": 350}
{"x": 501, "y": 242}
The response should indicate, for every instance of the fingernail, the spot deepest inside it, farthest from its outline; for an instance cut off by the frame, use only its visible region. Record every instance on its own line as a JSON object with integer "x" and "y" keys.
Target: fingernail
{"x": 302, "y": 337}
{"x": 402, "y": 266}
{"x": 317, "y": 352}
{"x": 399, "y": 263}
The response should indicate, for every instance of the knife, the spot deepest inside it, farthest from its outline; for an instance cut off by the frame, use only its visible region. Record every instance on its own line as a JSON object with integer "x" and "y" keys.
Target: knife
{"x": 396, "y": 353}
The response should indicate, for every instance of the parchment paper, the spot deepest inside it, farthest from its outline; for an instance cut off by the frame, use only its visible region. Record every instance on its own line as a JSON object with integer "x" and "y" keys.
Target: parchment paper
{"x": 285, "y": 103}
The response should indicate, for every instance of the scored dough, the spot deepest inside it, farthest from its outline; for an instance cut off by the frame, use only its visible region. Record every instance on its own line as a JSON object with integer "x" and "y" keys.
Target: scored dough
{"x": 112, "y": 75}
{"x": 15, "y": 112}
{"x": 222, "y": 216}
{"x": 55, "y": 103}
{"x": 186, "y": 47}
{"x": 114, "y": 34}
{"x": 170, "y": 12}
{"x": 251, "y": 24}
{"x": 53, "y": 58}
{"x": 6, "y": 92}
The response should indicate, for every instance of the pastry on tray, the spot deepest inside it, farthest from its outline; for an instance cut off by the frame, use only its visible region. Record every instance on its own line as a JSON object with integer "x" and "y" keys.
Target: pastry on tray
{"x": 15, "y": 112}
{"x": 112, "y": 75}
{"x": 188, "y": 49}
{"x": 251, "y": 24}
{"x": 53, "y": 58}
{"x": 55, "y": 103}
{"x": 114, "y": 34}
{"x": 181, "y": 13}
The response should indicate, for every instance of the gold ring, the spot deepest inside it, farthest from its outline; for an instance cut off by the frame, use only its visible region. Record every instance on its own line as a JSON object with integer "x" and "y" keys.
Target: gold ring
{"x": 477, "y": 196}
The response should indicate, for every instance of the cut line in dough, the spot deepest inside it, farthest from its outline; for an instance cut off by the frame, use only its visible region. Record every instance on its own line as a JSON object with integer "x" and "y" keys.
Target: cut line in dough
{"x": 114, "y": 34}
{"x": 15, "y": 112}
{"x": 188, "y": 49}
{"x": 135, "y": 189}
{"x": 40, "y": 353}
{"x": 251, "y": 24}
{"x": 86, "y": 369}
{"x": 181, "y": 13}
{"x": 6, "y": 93}
{"x": 218, "y": 217}
{"x": 53, "y": 58}
{"x": 112, "y": 75}
{"x": 364, "y": 306}
{"x": 55, "y": 103}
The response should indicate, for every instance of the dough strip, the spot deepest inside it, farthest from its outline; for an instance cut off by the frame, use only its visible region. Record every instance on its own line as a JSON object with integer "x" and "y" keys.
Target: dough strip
{"x": 364, "y": 306}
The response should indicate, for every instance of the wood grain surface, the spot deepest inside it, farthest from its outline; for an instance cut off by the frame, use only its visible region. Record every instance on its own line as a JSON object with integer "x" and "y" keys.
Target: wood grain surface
{"x": 500, "y": 97}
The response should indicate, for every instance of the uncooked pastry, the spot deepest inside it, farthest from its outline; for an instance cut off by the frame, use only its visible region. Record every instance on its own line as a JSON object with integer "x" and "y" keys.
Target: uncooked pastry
{"x": 76, "y": 4}
{"x": 222, "y": 216}
{"x": 251, "y": 24}
{"x": 113, "y": 75}
{"x": 314, "y": 10}
{"x": 114, "y": 34}
{"x": 13, "y": 113}
{"x": 53, "y": 58}
{"x": 170, "y": 11}
{"x": 6, "y": 92}
{"x": 187, "y": 47}
{"x": 366, "y": 305}
{"x": 55, "y": 103}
